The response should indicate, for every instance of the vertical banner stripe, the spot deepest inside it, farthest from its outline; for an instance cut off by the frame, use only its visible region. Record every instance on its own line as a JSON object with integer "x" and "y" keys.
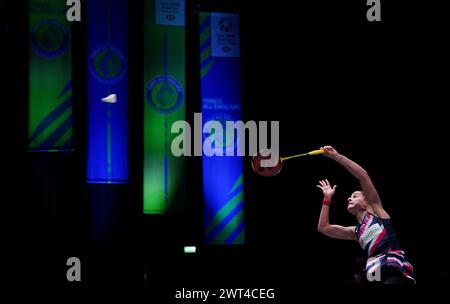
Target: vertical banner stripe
{"x": 107, "y": 146}
{"x": 221, "y": 101}
{"x": 50, "y": 77}
{"x": 164, "y": 85}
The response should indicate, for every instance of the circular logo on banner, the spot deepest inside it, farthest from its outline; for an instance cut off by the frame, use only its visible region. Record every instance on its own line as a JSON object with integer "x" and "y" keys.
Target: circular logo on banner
{"x": 164, "y": 94}
{"x": 225, "y": 24}
{"x": 49, "y": 38}
{"x": 107, "y": 65}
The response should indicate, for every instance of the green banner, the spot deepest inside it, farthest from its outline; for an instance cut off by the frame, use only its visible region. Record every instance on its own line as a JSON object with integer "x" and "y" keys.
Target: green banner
{"x": 164, "y": 85}
{"x": 50, "y": 77}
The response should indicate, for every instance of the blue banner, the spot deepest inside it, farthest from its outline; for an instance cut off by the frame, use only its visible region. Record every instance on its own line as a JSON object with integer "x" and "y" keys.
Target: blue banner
{"x": 107, "y": 146}
{"x": 221, "y": 101}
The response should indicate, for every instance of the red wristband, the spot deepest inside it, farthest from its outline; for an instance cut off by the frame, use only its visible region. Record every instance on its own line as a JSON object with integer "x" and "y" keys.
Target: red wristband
{"x": 326, "y": 202}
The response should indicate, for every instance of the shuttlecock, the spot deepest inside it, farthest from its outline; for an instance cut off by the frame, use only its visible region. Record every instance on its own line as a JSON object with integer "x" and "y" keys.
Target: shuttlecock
{"x": 111, "y": 98}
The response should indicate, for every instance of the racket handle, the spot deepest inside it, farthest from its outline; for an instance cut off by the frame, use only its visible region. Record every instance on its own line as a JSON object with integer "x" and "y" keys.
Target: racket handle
{"x": 317, "y": 152}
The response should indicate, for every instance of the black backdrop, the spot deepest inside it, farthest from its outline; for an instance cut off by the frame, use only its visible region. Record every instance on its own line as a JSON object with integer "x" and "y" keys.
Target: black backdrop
{"x": 375, "y": 91}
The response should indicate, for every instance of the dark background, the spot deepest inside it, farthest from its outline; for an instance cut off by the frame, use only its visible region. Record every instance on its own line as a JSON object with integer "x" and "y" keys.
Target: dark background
{"x": 375, "y": 91}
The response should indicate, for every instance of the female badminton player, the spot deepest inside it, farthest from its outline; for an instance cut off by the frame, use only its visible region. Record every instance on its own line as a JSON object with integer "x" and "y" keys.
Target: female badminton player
{"x": 374, "y": 230}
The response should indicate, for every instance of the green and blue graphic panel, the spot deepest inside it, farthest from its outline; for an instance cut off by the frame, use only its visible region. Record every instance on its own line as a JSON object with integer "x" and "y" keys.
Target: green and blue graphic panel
{"x": 107, "y": 136}
{"x": 223, "y": 182}
{"x": 50, "y": 77}
{"x": 164, "y": 91}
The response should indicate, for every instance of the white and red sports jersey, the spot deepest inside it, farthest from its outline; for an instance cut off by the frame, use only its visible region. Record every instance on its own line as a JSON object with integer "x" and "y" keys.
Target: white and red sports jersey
{"x": 378, "y": 238}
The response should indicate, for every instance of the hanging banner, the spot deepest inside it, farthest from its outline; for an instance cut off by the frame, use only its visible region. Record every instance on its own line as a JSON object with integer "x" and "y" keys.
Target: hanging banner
{"x": 107, "y": 47}
{"x": 50, "y": 77}
{"x": 221, "y": 101}
{"x": 164, "y": 86}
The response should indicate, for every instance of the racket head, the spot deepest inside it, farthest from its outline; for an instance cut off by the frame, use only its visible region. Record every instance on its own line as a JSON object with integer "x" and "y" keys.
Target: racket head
{"x": 266, "y": 171}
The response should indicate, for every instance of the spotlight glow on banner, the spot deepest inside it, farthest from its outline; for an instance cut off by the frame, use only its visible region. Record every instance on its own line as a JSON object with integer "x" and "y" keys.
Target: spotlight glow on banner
{"x": 107, "y": 146}
{"x": 164, "y": 85}
{"x": 50, "y": 77}
{"x": 221, "y": 101}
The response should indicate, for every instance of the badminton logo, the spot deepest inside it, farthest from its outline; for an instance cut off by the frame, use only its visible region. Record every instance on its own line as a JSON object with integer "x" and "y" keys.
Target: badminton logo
{"x": 164, "y": 94}
{"x": 107, "y": 65}
{"x": 225, "y": 25}
{"x": 49, "y": 38}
